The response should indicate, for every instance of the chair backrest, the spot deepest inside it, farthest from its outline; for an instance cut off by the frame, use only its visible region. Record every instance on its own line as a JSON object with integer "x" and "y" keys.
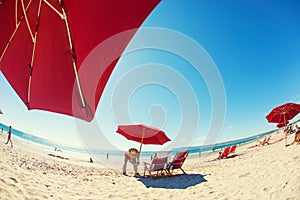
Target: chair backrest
{"x": 179, "y": 159}
{"x": 158, "y": 164}
{"x": 226, "y": 150}
{"x": 232, "y": 150}
{"x": 162, "y": 154}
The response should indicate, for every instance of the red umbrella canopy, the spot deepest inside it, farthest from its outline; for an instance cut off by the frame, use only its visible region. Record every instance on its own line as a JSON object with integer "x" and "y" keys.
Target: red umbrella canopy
{"x": 280, "y": 125}
{"x": 283, "y": 113}
{"x": 1, "y": 111}
{"x": 143, "y": 134}
{"x": 44, "y": 43}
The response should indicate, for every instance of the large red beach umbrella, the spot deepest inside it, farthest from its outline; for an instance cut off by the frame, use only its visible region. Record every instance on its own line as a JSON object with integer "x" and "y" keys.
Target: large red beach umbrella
{"x": 43, "y": 44}
{"x": 143, "y": 134}
{"x": 283, "y": 113}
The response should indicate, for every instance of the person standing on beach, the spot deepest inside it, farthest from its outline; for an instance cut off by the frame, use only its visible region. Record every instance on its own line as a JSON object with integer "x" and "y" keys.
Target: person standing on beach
{"x": 297, "y": 137}
{"x": 132, "y": 155}
{"x": 9, "y": 137}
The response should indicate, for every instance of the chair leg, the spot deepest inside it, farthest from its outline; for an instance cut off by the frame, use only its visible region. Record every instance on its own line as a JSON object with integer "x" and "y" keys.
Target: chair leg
{"x": 165, "y": 172}
{"x": 171, "y": 172}
{"x": 150, "y": 174}
{"x": 160, "y": 172}
{"x": 182, "y": 170}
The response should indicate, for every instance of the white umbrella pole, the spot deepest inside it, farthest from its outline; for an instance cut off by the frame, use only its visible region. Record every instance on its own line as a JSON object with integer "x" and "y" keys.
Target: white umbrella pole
{"x": 285, "y": 130}
{"x": 140, "y": 147}
{"x": 143, "y": 133}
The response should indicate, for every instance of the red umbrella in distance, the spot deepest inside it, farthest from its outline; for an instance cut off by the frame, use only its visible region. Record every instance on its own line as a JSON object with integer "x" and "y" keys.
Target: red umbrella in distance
{"x": 143, "y": 134}
{"x": 1, "y": 111}
{"x": 44, "y": 43}
{"x": 283, "y": 113}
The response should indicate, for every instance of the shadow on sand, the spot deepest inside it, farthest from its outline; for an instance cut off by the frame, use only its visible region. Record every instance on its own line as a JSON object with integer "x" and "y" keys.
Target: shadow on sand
{"x": 174, "y": 182}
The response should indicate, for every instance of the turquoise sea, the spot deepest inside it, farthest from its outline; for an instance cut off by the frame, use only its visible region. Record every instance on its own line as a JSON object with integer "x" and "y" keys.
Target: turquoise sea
{"x": 103, "y": 153}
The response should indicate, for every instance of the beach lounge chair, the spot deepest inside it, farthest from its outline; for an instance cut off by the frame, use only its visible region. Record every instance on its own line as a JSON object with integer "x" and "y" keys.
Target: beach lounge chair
{"x": 156, "y": 167}
{"x": 267, "y": 140}
{"x": 225, "y": 153}
{"x": 162, "y": 154}
{"x": 177, "y": 162}
{"x": 231, "y": 153}
{"x": 232, "y": 149}
{"x": 262, "y": 143}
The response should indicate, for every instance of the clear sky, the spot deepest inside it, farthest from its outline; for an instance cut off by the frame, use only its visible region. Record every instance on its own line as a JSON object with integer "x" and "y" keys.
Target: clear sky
{"x": 254, "y": 45}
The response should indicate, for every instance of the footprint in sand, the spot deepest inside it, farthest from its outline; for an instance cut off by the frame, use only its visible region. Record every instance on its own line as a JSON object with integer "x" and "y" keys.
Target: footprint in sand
{"x": 244, "y": 175}
{"x": 15, "y": 180}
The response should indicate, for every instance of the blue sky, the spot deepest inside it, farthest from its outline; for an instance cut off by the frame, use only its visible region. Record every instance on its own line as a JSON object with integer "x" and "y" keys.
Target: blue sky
{"x": 255, "y": 46}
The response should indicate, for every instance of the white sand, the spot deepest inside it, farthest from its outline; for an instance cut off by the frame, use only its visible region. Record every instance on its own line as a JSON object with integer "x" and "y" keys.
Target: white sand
{"x": 269, "y": 172}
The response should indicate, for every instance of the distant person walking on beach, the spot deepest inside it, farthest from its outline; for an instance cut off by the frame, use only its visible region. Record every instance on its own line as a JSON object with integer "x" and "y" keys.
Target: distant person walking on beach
{"x": 132, "y": 155}
{"x": 9, "y": 137}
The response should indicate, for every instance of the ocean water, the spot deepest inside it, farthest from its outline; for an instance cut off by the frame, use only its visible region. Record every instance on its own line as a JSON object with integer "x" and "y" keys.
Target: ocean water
{"x": 117, "y": 154}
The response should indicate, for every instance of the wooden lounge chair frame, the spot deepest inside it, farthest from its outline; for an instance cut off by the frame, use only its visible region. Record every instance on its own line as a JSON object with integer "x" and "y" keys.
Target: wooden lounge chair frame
{"x": 225, "y": 153}
{"x": 268, "y": 140}
{"x": 232, "y": 149}
{"x": 231, "y": 152}
{"x": 156, "y": 167}
{"x": 177, "y": 162}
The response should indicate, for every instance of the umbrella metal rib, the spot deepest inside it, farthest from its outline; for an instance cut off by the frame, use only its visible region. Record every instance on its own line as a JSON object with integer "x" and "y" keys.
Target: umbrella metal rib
{"x": 64, "y": 17}
{"x": 44, "y": 46}
{"x": 26, "y": 19}
{"x": 17, "y": 26}
{"x": 34, "y": 37}
{"x": 49, "y": 4}
{"x": 33, "y": 50}
{"x": 74, "y": 63}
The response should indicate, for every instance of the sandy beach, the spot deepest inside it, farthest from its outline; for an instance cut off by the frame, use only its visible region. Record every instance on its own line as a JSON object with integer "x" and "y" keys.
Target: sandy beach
{"x": 268, "y": 172}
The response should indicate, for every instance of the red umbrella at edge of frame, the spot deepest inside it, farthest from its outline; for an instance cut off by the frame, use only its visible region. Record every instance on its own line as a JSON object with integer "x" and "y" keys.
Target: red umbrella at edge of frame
{"x": 43, "y": 44}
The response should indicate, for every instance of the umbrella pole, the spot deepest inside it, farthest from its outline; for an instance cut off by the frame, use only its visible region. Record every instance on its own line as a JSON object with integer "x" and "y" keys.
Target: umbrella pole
{"x": 285, "y": 130}
{"x": 142, "y": 140}
{"x": 140, "y": 147}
